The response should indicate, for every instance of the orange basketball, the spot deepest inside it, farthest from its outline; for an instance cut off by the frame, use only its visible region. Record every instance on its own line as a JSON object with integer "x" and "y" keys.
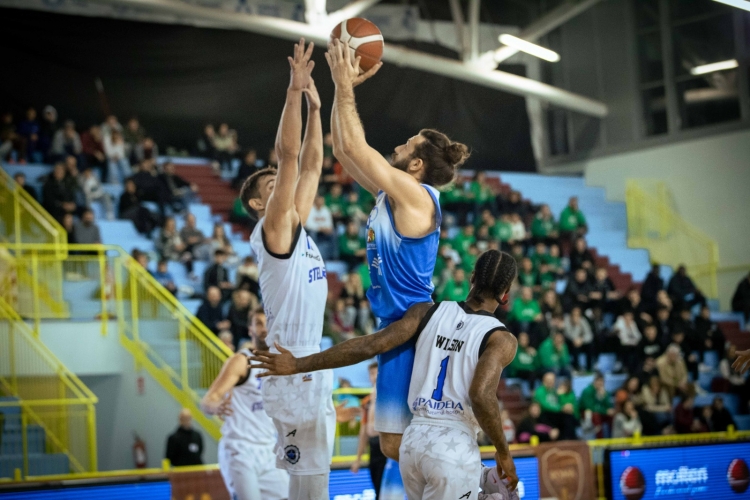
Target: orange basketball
{"x": 364, "y": 38}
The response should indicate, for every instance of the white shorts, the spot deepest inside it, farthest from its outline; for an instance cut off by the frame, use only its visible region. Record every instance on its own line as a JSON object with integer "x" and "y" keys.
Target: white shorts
{"x": 439, "y": 463}
{"x": 301, "y": 407}
{"x": 250, "y": 472}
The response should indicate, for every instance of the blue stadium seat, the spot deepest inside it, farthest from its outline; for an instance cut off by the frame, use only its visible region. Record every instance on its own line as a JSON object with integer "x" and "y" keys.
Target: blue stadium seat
{"x": 731, "y": 401}
{"x": 580, "y": 382}
{"x": 606, "y": 362}
{"x": 613, "y": 381}
{"x": 711, "y": 358}
{"x": 705, "y": 379}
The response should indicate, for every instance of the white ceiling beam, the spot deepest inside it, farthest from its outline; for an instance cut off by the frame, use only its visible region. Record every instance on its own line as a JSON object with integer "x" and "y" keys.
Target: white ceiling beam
{"x": 550, "y": 21}
{"x": 474, "y": 29}
{"x": 348, "y": 11}
{"x": 451, "y": 68}
{"x": 458, "y": 22}
{"x": 315, "y": 11}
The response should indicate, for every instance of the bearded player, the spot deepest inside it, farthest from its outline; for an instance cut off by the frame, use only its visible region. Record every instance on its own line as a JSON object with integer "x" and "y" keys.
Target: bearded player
{"x": 461, "y": 349}
{"x": 294, "y": 287}
{"x": 247, "y": 449}
{"x": 402, "y": 231}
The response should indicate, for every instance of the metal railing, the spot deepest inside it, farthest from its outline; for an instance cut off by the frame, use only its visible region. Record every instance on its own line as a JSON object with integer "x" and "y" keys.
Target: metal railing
{"x": 46, "y": 407}
{"x": 655, "y": 225}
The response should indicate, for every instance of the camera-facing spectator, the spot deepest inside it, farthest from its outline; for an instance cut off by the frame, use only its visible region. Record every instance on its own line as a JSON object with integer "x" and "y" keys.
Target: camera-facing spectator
{"x": 194, "y": 239}
{"x": 554, "y": 355}
{"x": 320, "y": 227}
{"x": 352, "y": 247}
{"x": 20, "y": 179}
{"x": 211, "y": 312}
{"x": 578, "y": 291}
{"x": 185, "y": 445}
{"x": 118, "y": 164}
{"x": 217, "y": 275}
{"x": 580, "y": 338}
{"x": 94, "y": 193}
{"x": 572, "y": 222}
{"x": 164, "y": 277}
{"x": 531, "y": 425}
{"x": 626, "y": 423}
{"x": 29, "y": 130}
{"x": 86, "y": 231}
{"x": 596, "y": 398}
{"x": 59, "y": 198}
{"x": 673, "y": 372}
{"x": 525, "y": 364}
{"x": 129, "y": 207}
{"x": 66, "y": 142}
{"x": 683, "y": 291}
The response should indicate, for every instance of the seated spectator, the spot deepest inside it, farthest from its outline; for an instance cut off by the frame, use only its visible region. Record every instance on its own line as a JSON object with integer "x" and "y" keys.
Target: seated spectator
{"x": 581, "y": 257}
{"x": 456, "y": 289}
{"x": 708, "y": 336}
{"x": 47, "y": 128}
{"x": 145, "y": 150}
{"x": 257, "y": 328}
{"x": 578, "y": 291}
{"x": 164, "y": 277}
{"x": 531, "y": 425}
{"x": 93, "y": 192}
{"x": 683, "y": 292}
{"x": 352, "y": 247}
{"x": 525, "y": 364}
{"x": 550, "y": 304}
{"x": 226, "y": 338}
{"x": 464, "y": 240}
{"x": 58, "y": 198}
{"x": 205, "y": 144}
{"x": 117, "y": 162}
{"x": 110, "y": 125}
{"x": 320, "y": 227}
{"x": 518, "y": 232}
{"x": 211, "y": 312}
{"x": 554, "y": 261}
{"x": 502, "y": 230}
{"x": 20, "y": 179}
{"x": 554, "y": 356}
{"x": 630, "y": 337}
{"x": 10, "y": 140}
{"x": 92, "y": 144}
{"x": 247, "y": 276}
{"x": 354, "y": 210}
{"x": 579, "y": 337}
{"x": 248, "y": 167}
{"x": 657, "y": 403}
{"x": 603, "y": 293}
{"x": 179, "y": 191}
{"x": 513, "y": 205}
{"x": 133, "y": 134}
{"x": 528, "y": 276}
{"x": 170, "y": 245}
{"x": 568, "y": 401}
{"x": 626, "y": 423}
{"x": 651, "y": 287}
{"x": 686, "y": 420}
{"x": 194, "y": 239}
{"x": 239, "y": 313}
{"x": 525, "y": 313}
{"x": 544, "y": 227}
{"x": 572, "y": 222}
{"x": 220, "y": 241}
{"x": 741, "y": 298}
{"x": 28, "y": 130}
{"x": 66, "y": 142}
{"x": 86, "y": 231}
{"x": 225, "y": 145}
{"x": 673, "y": 372}
{"x": 663, "y": 325}
{"x": 650, "y": 346}
{"x": 554, "y": 413}
{"x": 150, "y": 187}
{"x": 596, "y": 398}
{"x": 509, "y": 428}
{"x": 630, "y": 391}
{"x": 130, "y": 208}
{"x": 335, "y": 202}
{"x": 341, "y": 321}
{"x": 721, "y": 419}
{"x": 217, "y": 275}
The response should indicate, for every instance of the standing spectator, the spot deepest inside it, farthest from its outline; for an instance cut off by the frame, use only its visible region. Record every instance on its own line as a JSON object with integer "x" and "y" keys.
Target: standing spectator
{"x": 20, "y": 179}
{"x": 578, "y": 291}
{"x": 217, "y": 275}
{"x": 720, "y": 417}
{"x": 92, "y": 145}
{"x": 133, "y": 134}
{"x": 531, "y": 425}
{"x": 47, "y": 129}
{"x": 111, "y": 125}
{"x": 66, "y": 142}
{"x": 179, "y": 191}
{"x": 525, "y": 363}
{"x": 86, "y": 231}
{"x": 185, "y": 445}
{"x": 211, "y": 312}
{"x": 658, "y": 404}
{"x": 93, "y": 191}
{"x": 248, "y": 167}
{"x": 29, "y": 131}
{"x": 554, "y": 356}
{"x": 580, "y": 338}
{"x": 58, "y": 197}
{"x": 117, "y": 162}
{"x": 194, "y": 239}
{"x": 572, "y": 221}
{"x": 741, "y": 298}
{"x": 544, "y": 227}
{"x": 673, "y": 371}
{"x": 320, "y": 227}
{"x": 335, "y": 202}
{"x": 596, "y": 398}
{"x": 352, "y": 246}
{"x": 239, "y": 314}
{"x": 630, "y": 336}
{"x": 626, "y": 423}
{"x": 683, "y": 291}
{"x": 129, "y": 207}
{"x": 652, "y": 285}
{"x": 164, "y": 277}
{"x": 456, "y": 289}
{"x": 225, "y": 145}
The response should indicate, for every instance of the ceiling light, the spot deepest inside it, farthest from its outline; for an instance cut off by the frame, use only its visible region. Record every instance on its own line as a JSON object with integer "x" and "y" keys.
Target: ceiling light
{"x": 740, "y": 4}
{"x": 717, "y": 66}
{"x": 529, "y": 48}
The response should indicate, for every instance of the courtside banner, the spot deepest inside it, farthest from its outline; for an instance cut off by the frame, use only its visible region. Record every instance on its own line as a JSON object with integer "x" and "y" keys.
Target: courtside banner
{"x": 715, "y": 472}
{"x": 528, "y": 476}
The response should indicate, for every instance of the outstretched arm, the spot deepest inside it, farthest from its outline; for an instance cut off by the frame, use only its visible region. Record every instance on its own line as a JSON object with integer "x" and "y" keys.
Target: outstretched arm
{"x": 281, "y": 214}
{"x": 500, "y": 351}
{"x": 311, "y": 161}
{"x": 347, "y": 162}
{"x": 215, "y": 402}
{"x": 346, "y": 353}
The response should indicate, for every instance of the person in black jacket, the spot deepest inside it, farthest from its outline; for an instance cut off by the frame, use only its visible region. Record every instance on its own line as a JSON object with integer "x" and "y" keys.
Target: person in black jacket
{"x": 651, "y": 286}
{"x": 249, "y": 166}
{"x": 708, "y": 336}
{"x": 211, "y": 312}
{"x": 581, "y": 257}
{"x": 721, "y": 418}
{"x": 177, "y": 189}
{"x": 130, "y": 208}
{"x": 58, "y": 198}
{"x": 218, "y": 275}
{"x": 577, "y": 292}
{"x": 650, "y": 346}
{"x": 683, "y": 291}
{"x": 741, "y": 298}
{"x": 20, "y": 179}
{"x": 185, "y": 445}
{"x": 150, "y": 187}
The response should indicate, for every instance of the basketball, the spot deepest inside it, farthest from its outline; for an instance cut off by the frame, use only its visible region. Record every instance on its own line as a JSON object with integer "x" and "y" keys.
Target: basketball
{"x": 364, "y": 38}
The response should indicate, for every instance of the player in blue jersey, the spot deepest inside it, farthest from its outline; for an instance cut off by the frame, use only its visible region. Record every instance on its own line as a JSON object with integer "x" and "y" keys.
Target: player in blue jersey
{"x": 402, "y": 231}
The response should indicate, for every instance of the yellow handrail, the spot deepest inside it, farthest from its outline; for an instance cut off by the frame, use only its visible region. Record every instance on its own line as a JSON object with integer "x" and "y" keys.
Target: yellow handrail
{"x": 655, "y": 225}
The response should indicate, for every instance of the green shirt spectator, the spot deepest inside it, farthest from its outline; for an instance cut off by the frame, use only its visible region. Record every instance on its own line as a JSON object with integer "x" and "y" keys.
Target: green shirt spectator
{"x": 567, "y": 396}
{"x": 351, "y": 245}
{"x": 502, "y": 230}
{"x": 596, "y": 398}
{"x": 544, "y": 225}
{"x": 335, "y": 202}
{"x": 547, "y": 278}
{"x": 480, "y": 191}
{"x": 354, "y": 210}
{"x": 457, "y": 194}
{"x": 553, "y": 353}
{"x": 364, "y": 273}
{"x": 468, "y": 260}
{"x": 457, "y": 289}
{"x": 547, "y": 399}
{"x": 571, "y": 218}
{"x": 525, "y": 309}
{"x": 464, "y": 240}
{"x": 524, "y": 361}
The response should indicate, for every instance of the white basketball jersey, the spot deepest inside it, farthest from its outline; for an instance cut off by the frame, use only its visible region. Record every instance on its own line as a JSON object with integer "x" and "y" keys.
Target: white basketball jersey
{"x": 294, "y": 289}
{"x": 249, "y": 421}
{"x": 447, "y": 353}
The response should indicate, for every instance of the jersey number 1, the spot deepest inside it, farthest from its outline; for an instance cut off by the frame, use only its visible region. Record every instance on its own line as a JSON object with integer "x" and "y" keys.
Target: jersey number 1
{"x": 437, "y": 394}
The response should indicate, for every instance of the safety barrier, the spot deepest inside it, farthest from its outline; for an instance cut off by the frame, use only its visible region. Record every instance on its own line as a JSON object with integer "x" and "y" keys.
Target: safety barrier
{"x": 47, "y": 410}
{"x": 655, "y": 225}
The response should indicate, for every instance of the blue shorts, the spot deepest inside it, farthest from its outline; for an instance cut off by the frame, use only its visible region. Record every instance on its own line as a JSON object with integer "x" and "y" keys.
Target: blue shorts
{"x": 392, "y": 413}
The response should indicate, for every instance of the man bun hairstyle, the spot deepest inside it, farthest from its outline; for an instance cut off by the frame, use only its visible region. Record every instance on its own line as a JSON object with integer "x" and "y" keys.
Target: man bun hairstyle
{"x": 250, "y": 190}
{"x": 494, "y": 273}
{"x": 442, "y": 157}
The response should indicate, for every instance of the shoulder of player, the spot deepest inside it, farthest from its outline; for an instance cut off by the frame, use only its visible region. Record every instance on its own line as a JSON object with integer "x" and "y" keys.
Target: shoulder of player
{"x": 501, "y": 343}
{"x": 237, "y": 363}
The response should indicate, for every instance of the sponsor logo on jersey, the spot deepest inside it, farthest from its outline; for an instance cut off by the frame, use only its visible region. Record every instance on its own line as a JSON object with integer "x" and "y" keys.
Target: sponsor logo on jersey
{"x": 376, "y": 262}
{"x": 432, "y": 406}
{"x": 373, "y": 215}
{"x": 316, "y": 273}
{"x": 291, "y": 454}
{"x": 465, "y": 495}
{"x": 447, "y": 344}
{"x": 257, "y": 406}
{"x": 293, "y": 433}
{"x": 371, "y": 235}
{"x": 458, "y": 327}
{"x": 307, "y": 377}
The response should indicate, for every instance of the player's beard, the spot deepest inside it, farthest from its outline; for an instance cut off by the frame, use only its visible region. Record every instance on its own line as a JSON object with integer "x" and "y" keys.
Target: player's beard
{"x": 402, "y": 165}
{"x": 260, "y": 345}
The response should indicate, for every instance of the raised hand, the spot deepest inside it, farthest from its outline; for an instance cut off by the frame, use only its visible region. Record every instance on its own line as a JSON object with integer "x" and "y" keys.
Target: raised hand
{"x": 313, "y": 98}
{"x": 301, "y": 66}
{"x": 344, "y": 68}
{"x": 367, "y": 74}
{"x": 283, "y": 363}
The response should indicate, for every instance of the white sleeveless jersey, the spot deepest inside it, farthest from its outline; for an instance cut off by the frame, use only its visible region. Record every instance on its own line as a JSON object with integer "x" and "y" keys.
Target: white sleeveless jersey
{"x": 447, "y": 353}
{"x": 294, "y": 290}
{"x": 249, "y": 422}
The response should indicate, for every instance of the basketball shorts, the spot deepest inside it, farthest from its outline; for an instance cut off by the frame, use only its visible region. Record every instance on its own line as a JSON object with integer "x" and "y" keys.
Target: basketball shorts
{"x": 439, "y": 463}
{"x": 392, "y": 413}
{"x": 250, "y": 472}
{"x": 301, "y": 407}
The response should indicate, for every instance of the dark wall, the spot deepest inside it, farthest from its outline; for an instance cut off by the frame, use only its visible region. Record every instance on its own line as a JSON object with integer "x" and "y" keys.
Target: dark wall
{"x": 177, "y": 78}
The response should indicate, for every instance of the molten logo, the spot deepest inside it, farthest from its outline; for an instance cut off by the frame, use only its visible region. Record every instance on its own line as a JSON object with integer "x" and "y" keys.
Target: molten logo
{"x": 738, "y": 475}
{"x": 632, "y": 483}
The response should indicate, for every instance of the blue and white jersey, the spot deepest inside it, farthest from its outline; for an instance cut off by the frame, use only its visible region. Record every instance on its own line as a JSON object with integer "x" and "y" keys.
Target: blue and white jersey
{"x": 400, "y": 267}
